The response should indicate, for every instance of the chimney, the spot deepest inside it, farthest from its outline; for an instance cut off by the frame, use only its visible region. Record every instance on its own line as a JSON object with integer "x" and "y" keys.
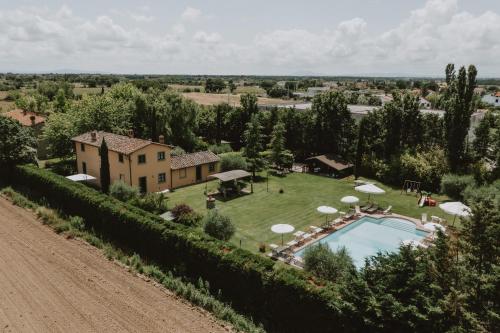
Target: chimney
{"x": 161, "y": 139}
{"x": 93, "y": 136}
{"x": 25, "y": 112}
{"x": 32, "y": 118}
{"x": 130, "y": 133}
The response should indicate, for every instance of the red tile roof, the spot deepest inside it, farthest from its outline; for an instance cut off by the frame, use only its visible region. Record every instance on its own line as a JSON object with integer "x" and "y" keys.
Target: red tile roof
{"x": 24, "y": 117}
{"x": 193, "y": 159}
{"x": 119, "y": 143}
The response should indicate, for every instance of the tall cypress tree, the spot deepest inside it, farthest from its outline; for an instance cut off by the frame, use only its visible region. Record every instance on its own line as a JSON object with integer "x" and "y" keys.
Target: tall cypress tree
{"x": 104, "y": 170}
{"x": 253, "y": 149}
{"x": 459, "y": 108}
{"x": 360, "y": 146}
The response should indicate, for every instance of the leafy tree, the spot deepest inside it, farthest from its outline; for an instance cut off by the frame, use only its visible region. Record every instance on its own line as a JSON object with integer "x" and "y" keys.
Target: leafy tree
{"x": 253, "y": 148}
{"x": 459, "y": 108}
{"x": 482, "y": 135}
{"x": 122, "y": 191}
{"x": 335, "y": 128}
{"x": 454, "y": 185}
{"x": 17, "y": 143}
{"x": 233, "y": 161}
{"x": 218, "y": 226}
{"x": 482, "y": 255}
{"x": 58, "y": 131}
{"x": 277, "y": 92}
{"x": 214, "y": 85}
{"x": 277, "y": 144}
{"x": 231, "y": 86}
{"x": 104, "y": 168}
{"x": 324, "y": 263}
{"x": 60, "y": 104}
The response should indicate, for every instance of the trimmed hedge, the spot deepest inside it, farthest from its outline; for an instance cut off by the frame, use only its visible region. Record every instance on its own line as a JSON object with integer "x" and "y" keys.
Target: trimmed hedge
{"x": 284, "y": 299}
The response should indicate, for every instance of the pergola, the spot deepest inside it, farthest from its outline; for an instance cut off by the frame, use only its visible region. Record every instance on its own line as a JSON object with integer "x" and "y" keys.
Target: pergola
{"x": 228, "y": 176}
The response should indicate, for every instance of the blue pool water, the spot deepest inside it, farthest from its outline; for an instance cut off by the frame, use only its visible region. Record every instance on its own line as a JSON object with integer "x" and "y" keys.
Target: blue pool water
{"x": 369, "y": 235}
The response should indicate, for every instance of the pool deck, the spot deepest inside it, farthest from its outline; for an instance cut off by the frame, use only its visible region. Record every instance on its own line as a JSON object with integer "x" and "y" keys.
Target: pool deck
{"x": 340, "y": 226}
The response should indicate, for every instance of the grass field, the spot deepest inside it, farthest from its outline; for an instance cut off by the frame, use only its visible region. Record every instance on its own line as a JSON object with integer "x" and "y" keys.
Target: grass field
{"x": 254, "y": 214}
{"x": 88, "y": 91}
{"x": 234, "y": 100}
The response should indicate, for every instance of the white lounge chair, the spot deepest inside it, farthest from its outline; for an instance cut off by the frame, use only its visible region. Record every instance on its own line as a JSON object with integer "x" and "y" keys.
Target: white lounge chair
{"x": 292, "y": 243}
{"x": 358, "y": 210}
{"x": 387, "y": 211}
{"x": 424, "y": 218}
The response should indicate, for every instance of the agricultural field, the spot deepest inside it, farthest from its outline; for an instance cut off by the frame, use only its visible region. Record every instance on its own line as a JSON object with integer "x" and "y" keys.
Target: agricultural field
{"x": 52, "y": 283}
{"x": 234, "y": 100}
{"x": 254, "y": 214}
{"x": 250, "y": 90}
{"x": 183, "y": 87}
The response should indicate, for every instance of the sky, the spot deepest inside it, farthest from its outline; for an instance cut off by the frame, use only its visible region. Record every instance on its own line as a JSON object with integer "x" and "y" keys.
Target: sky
{"x": 258, "y": 37}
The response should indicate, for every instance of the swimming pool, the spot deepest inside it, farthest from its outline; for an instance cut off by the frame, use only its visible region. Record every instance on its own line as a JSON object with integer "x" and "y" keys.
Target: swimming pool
{"x": 369, "y": 235}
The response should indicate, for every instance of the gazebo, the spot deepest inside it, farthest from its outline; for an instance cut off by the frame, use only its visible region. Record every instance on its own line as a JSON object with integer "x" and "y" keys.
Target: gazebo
{"x": 230, "y": 176}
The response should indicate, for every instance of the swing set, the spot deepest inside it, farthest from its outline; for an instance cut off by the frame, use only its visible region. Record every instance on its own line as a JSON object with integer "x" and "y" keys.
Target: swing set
{"x": 411, "y": 186}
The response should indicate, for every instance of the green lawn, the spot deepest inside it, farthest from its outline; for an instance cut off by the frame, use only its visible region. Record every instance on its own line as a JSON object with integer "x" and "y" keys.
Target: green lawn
{"x": 254, "y": 214}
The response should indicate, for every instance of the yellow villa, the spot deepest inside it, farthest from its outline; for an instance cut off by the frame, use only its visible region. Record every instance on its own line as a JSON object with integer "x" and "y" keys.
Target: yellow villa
{"x": 142, "y": 163}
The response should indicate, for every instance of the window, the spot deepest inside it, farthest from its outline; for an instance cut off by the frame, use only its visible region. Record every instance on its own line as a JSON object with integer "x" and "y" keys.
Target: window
{"x": 122, "y": 176}
{"x": 211, "y": 167}
{"x": 161, "y": 156}
{"x": 141, "y": 159}
{"x": 84, "y": 167}
{"x": 182, "y": 173}
{"x": 162, "y": 177}
{"x": 82, "y": 147}
{"x": 120, "y": 158}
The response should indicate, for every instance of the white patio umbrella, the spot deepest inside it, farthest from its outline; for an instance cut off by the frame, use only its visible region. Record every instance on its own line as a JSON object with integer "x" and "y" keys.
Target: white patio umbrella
{"x": 80, "y": 177}
{"x": 349, "y": 200}
{"x": 431, "y": 226}
{"x": 455, "y": 208}
{"x": 327, "y": 210}
{"x": 282, "y": 229}
{"x": 369, "y": 189}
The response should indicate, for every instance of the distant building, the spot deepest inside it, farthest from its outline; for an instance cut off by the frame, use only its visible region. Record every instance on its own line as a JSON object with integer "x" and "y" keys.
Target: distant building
{"x": 493, "y": 99}
{"x": 34, "y": 121}
{"x": 142, "y": 163}
{"x": 313, "y": 91}
{"x": 423, "y": 103}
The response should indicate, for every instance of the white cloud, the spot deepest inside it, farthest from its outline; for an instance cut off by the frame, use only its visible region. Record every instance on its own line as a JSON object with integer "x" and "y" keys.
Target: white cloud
{"x": 423, "y": 42}
{"x": 142, "y": 17}
{"x": 207, "y": 38}
{"x": 191, "y": 14}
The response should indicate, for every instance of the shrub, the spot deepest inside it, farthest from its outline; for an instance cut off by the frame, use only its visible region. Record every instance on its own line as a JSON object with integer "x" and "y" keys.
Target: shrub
{"x": 454, "y": 185}
{"x": 181, "y": 209}
{"x": 218, "y": 226}
{"x": 191, "y": 219}
{"x": 185, "y": 215}
{"x": 177, "y": 151}
{"x": 63, "y": 167}
{"x": 122, "y": 191}
{"x": 220, "y": 149}
{"x": 232, "y": 161}
{"x": 155, "y": 203}
{"x": 329, "y": 265}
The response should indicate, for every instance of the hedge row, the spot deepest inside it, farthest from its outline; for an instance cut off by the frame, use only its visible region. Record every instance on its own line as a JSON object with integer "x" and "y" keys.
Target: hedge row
{"x": 283, "y": 299}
